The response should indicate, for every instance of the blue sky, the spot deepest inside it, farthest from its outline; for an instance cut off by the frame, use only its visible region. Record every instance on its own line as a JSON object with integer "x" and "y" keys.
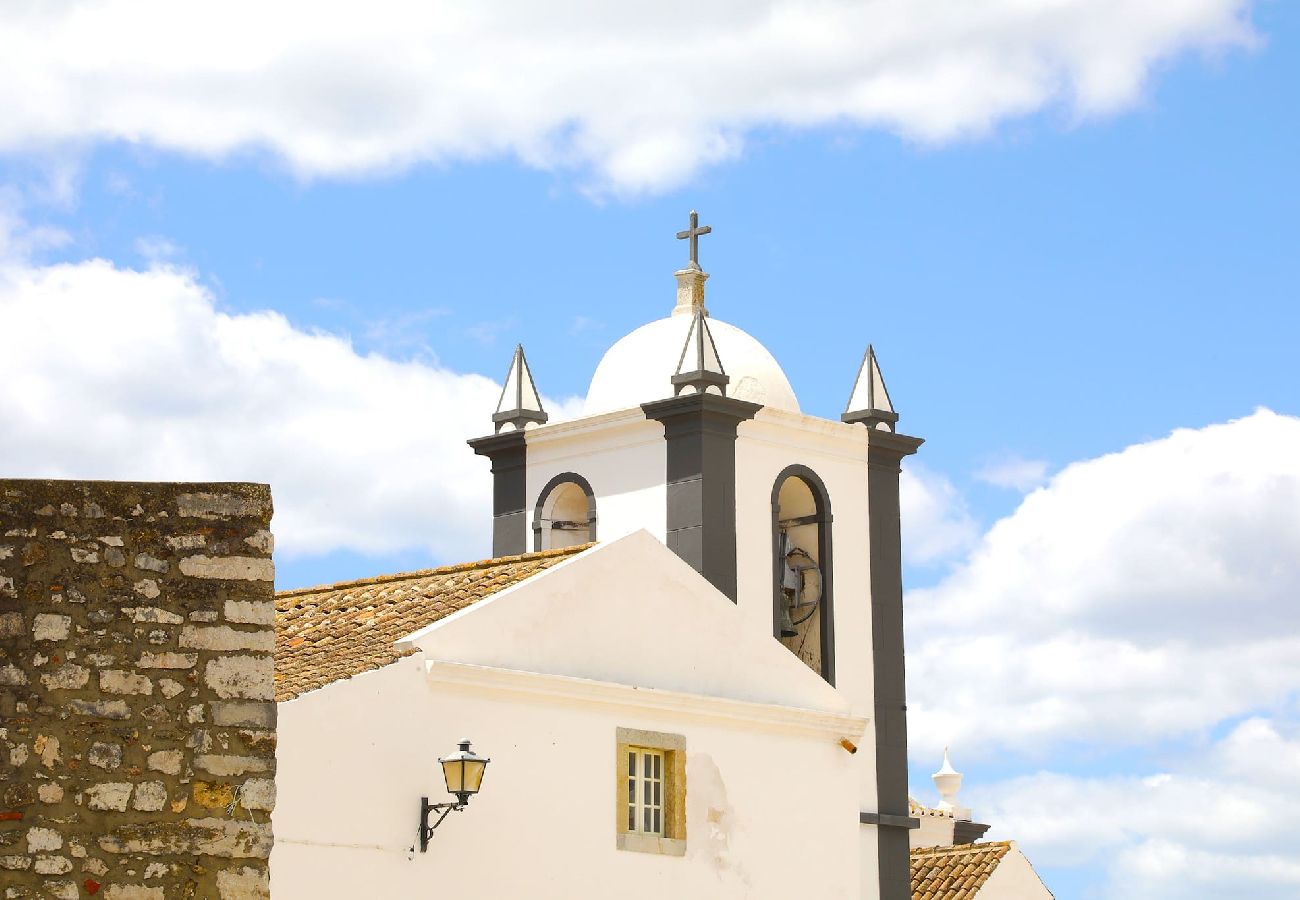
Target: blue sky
{"x": 1042, "y": 292}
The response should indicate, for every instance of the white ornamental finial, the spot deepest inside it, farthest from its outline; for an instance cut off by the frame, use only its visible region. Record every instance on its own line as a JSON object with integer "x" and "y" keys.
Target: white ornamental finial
{"x": 948, "y": 782}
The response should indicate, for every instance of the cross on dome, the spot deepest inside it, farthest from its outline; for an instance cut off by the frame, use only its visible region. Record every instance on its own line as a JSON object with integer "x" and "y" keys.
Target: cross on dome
{"x": 693, "y": 235}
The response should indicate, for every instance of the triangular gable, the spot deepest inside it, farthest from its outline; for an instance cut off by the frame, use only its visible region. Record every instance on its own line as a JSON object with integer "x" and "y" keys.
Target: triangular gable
{"x": 629, "y": 612}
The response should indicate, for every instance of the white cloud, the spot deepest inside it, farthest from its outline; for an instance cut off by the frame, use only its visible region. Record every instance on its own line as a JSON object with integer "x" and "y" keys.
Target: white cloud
{"x": 1221, "y": 823}
{"x": 936, "y": 524}
{"x": 125, "y": 374}
{"x": 639, "y": 95}
{"x": 1144, "y": 595}
{"x": 1015, "y": 472}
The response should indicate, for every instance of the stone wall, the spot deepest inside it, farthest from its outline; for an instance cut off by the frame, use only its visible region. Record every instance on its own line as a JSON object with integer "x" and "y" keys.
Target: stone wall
{"x": 137, "y": 726}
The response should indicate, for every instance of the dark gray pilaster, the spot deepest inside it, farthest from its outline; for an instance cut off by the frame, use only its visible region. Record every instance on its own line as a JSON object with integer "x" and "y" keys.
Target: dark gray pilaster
{"x": 508, "y": 453}
{"x": 700, "y": 430}
{"x": 885, "y": 452}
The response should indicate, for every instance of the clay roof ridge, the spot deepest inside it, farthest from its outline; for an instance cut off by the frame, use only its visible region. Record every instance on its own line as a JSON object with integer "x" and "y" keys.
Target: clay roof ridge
{"x": 429, "y": 573}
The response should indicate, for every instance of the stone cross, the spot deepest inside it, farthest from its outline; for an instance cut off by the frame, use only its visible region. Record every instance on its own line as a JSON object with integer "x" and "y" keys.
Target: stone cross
{"x": 693, "y": 234}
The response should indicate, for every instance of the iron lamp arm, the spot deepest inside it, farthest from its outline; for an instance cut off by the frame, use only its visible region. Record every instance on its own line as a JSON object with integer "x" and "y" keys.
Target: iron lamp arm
{"x": 426, "y": 830}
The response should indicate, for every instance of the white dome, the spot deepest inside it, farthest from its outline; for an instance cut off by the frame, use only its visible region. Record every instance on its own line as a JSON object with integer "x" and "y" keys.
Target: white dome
{"x": 638, "y": 367}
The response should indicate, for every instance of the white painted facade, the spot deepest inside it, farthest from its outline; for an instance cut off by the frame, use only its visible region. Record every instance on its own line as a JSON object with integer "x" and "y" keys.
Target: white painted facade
{"x": 540, "y": 676}
{"x": 624, "y": 635}
{"x": 1014, "y": 879}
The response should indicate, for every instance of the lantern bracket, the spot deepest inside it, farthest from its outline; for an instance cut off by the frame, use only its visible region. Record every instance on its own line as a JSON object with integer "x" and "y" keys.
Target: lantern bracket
{"x": 426, "y": 830}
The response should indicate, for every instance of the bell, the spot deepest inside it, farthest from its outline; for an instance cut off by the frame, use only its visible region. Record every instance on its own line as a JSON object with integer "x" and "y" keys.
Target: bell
{"x": 787, "y": 627}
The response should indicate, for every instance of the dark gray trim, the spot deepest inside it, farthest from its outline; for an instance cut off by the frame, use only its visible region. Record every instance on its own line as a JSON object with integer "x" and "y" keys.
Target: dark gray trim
{"x": 885, "y": 451}
{"x": 509, "y": 455}
{"x": 967, "y": 832}
{"x": 870, "y": 417}
{"x": 823, "y": 518}
{"x": 564, "y": 478}
{"x": 883, "y": 820}
{"x": 700, "y": 431}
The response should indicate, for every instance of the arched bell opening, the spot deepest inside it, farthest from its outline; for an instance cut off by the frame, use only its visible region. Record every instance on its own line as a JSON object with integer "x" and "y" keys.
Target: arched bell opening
{"x": 802, "y": 597}
{"x": 565, "y": 515}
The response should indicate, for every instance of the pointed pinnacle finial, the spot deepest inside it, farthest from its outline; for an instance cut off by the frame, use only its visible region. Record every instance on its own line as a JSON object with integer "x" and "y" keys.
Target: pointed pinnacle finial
{"x": 699, "y": 366}
{"x": 869, "y": 402}
{"x": 520, "y": 404}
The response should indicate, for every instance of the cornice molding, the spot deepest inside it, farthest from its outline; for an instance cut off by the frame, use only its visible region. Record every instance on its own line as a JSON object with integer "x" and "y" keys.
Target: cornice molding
{"x": 719, "y": 710}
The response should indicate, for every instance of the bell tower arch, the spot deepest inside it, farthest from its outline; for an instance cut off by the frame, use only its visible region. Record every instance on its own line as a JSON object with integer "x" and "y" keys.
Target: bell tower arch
{"x": 803, "y": 617}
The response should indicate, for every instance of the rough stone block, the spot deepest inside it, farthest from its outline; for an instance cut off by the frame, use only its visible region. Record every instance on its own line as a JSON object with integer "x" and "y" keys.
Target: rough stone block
{"x": 150, "y": 796}
{"x": 250, "y": 715}
{"x": 153, "y": 614}
{"x": 231, "y": 765}
{"x": 104, "y": 709}
{"x": 41, "y": 840}
{"x": 224, "y": 639}
{"x": 151, "y": 564}
{"x": 234, "y": 568}
{"x": 51, "y": 627}
{"x": 213, "y": 795}
{"x": 11, "y": 624}
{"x": 212, "y": 836}
{"x": 12, "y": 676}
{"x": 242, "y": 677}
{"x": 206, "y": 505}
{"x": 166, "y": 761}
{"x": 167, "y": 660}
{"x": 111, "y": 796}
{"x": 232, "y": 839}
{"x": 104, "y": 756}
{"x": 50, "y": 792}
{"x": 186, "y": 541}
{"x": 116, "y": 681}
{"x": 250, "y": 612}
{"x": 133, "y": 892}
{"x": 52, "y": 865}
{"x": 243, "y": 884}
{"x": 258, "y": 793}
{"x": 47, "y": 748}
{"x": 68, "y": 677}
{"x": 14, "y": 863}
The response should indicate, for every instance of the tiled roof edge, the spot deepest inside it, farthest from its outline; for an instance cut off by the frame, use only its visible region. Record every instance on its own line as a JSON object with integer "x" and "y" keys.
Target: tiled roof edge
{"x": 960, "y": 848}
{"x": 428, "y": 573}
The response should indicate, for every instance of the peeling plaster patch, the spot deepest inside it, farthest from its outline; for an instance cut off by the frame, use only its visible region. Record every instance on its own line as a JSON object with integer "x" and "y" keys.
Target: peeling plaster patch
{"x": 710, "y": 818}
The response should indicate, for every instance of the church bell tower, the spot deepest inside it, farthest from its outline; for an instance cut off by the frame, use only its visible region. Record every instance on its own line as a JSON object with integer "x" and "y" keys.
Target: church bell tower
{"x": 691, "y": 431}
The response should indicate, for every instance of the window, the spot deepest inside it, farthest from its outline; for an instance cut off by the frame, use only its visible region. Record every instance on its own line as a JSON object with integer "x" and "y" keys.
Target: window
{"x": 651, "y": 792}
{"x": 645, "y": 783}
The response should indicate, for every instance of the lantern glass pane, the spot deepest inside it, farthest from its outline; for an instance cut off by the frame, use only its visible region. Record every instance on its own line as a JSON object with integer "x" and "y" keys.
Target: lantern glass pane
{"x": 472, "y": 775}
{"x": 454, "y": 771}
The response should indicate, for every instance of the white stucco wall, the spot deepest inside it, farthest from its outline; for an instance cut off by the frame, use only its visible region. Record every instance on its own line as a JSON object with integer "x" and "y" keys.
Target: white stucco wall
{"x": 837, "y": 453}
{"x": 935, "y": 831}
{"x": 1014, "y": 879}
{"x": 363, "y": 753}
{"x": 622, "y": 455}
{"x": 771, "y": 796}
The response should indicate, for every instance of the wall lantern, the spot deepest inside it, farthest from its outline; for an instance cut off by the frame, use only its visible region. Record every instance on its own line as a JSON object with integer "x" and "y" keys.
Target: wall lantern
{"x": 463, "y": 771}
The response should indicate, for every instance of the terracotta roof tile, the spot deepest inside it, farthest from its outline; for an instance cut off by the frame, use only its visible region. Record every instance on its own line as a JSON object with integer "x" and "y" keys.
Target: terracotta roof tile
{"x": 324, "y": 634}
{"x": 954, "y": 873}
